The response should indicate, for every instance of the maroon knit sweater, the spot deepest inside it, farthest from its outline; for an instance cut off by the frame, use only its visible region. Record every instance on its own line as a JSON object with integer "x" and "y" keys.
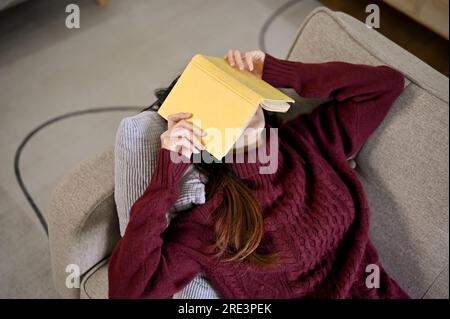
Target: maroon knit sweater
{"x": 315, "y": 211}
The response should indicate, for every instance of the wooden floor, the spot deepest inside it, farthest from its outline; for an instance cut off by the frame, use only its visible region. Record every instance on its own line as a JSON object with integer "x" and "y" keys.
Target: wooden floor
{"x": 412, "y": 36}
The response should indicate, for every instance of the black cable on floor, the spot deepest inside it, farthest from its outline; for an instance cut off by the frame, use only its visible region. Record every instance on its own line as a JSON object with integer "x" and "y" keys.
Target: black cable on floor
{"x": 270, "y": 19}
{"x": 29, "y": 198}
{"x": 28, "y": 137}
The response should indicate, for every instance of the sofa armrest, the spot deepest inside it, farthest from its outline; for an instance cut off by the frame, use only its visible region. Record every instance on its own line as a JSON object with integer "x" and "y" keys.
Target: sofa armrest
{"x": 82, "y": 220}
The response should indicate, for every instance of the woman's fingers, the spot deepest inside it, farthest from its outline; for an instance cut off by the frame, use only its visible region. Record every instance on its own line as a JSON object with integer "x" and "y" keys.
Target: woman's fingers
{"x": 183, "y": 145}
{"x": 187, "y": 134}
{"x": 187, "y": 130}
{"x": 252, "y": 61}
{"x": 231, "y": 57}
{"x": 191, "y": 145}
{"x": 181, "y": 136}
{"x": 191, "y": 127}
{"x": 249, "y": 60}
{"x": 257, "y": 55}
{"x": 179, "y": 119}
{"x": 174, "y": 118}
{"x": 238, "y": 59}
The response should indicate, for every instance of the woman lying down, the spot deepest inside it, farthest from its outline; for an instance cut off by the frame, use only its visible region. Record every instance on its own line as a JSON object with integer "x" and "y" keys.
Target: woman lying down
{"x": 300, "y": 231}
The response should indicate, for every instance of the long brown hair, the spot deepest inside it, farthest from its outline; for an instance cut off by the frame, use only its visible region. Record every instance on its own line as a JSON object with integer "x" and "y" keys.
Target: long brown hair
{"x": 238, "y": 221}
{"x": 239, "y": 224}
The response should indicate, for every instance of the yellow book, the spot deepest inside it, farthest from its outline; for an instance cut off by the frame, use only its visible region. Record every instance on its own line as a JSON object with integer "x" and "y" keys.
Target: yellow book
{"x": 222, "y": 100}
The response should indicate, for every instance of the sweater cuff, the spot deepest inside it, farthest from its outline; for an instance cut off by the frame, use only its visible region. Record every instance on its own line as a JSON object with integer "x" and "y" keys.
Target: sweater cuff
{"x": 281, "y": 73}
{"x": 170, "y": 168}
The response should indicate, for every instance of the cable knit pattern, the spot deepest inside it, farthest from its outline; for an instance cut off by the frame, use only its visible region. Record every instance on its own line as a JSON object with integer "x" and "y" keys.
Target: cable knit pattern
{"x": 315, "y": 212}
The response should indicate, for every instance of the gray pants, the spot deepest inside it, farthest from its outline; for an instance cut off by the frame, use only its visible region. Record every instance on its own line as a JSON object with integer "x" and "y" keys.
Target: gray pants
{"x": 198, "y": 288}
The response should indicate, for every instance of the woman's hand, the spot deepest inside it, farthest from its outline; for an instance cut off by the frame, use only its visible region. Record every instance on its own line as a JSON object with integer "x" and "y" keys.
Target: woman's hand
{"x": 181, "y": 136}
{"x": 252, "y": 61}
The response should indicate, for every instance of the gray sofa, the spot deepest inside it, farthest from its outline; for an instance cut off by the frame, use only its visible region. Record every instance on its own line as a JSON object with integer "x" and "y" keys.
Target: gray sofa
{"x": 403, "y": 167}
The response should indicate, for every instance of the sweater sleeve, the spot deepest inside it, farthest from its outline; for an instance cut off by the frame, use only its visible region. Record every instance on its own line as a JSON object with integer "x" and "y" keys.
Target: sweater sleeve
{"x": 143, "y": 264}
{"x": 361, "y": 98}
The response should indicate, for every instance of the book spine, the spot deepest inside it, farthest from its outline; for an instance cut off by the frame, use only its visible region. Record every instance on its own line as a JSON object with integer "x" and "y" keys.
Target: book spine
{"x": 227, "y": 80}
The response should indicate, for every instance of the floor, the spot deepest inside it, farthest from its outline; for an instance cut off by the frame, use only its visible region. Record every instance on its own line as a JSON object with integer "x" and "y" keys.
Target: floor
{"x": 119, "y": 55}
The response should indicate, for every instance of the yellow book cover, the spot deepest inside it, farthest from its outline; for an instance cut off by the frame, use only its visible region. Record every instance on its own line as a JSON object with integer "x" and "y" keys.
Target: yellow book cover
{"x": 222, "y": 100}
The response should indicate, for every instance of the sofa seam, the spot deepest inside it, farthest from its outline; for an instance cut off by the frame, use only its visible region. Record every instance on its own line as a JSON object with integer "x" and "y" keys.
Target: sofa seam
{"x": 434, "y": 281}
{"x": 85, "y": 278}
{"x": 91, "y": 210}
